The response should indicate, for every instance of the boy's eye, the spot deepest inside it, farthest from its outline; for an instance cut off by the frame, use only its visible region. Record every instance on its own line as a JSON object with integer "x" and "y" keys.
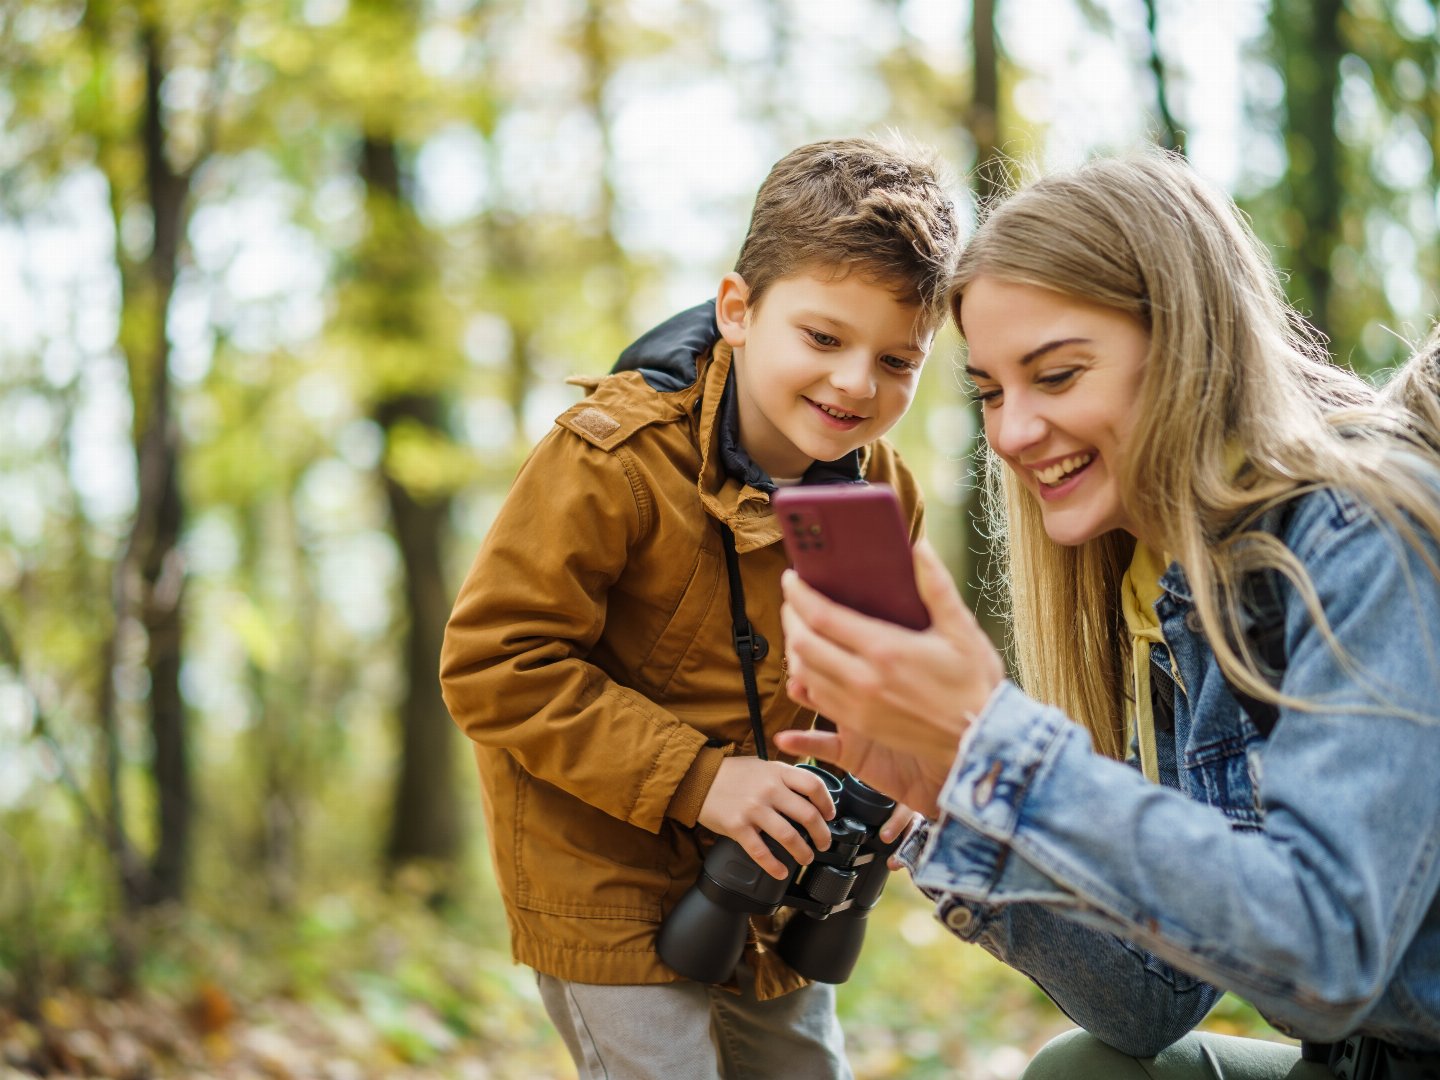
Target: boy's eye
{"x": 899, "y": 363}
{"x": 823, "y": 340}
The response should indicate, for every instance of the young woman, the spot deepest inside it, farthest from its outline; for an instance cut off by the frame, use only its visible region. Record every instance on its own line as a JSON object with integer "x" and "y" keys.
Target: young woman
{"x": 1221, "y": 771}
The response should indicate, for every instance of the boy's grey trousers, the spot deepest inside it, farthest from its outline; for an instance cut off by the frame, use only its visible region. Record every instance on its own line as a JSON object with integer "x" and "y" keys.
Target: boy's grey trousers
{"x": 696, "y": 1032}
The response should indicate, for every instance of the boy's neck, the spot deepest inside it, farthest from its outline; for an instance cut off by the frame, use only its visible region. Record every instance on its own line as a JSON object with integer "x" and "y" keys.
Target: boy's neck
{"x": 738, "y": 463}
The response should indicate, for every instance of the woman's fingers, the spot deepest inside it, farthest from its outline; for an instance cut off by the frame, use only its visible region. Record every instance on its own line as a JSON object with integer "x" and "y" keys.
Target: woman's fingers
{"x": 844, "y": 626}
{"x": 796, "y": 688}
{"x": 825, "y": 745}
{"x": 938, "y": 591}
{"x": 829, "y": 672}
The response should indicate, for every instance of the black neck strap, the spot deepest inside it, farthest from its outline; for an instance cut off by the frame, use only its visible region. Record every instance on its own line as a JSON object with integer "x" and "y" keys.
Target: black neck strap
{"x": 749, "y": 646}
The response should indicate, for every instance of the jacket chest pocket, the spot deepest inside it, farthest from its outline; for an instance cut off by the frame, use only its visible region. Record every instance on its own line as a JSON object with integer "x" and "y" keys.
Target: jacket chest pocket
{"x": 1218, "y": 773}
{"x": 703, "y": 603}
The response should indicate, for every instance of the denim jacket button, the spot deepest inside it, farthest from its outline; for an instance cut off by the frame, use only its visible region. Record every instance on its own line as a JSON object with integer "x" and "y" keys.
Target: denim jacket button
{"x": 984, "y": 789}
{"x": 959, "y": 918}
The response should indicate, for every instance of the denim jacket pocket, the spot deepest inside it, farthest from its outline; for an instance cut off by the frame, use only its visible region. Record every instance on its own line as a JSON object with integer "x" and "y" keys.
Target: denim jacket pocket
{"x": 1220, "y": 775}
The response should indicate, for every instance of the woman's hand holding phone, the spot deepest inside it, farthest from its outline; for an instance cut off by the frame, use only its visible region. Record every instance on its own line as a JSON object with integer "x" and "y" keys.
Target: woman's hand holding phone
{"x": 900, "y": 698}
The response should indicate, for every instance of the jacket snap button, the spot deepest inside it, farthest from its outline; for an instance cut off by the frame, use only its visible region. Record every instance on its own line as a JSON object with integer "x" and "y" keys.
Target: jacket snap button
{"x": 984, "y": 789}
{"x": 959, "y": 918}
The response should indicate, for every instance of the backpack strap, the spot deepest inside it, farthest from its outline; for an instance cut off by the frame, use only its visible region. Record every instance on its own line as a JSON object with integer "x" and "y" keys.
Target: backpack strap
{"x": 1262, "y": 621}
{"x": 1262, "y": 629}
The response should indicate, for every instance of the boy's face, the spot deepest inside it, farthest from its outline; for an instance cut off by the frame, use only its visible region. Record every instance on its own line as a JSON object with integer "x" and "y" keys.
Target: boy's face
{"x": 822, "y": 365}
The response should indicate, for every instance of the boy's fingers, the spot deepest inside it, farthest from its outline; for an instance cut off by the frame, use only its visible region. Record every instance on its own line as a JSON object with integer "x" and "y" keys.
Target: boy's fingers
{"x": 753, "y": 841}
{"x": 897, "y": 823}
{"x": 814, "y": 789}
{"x": 784, "y": 833}
{"x": 807, "y": 805}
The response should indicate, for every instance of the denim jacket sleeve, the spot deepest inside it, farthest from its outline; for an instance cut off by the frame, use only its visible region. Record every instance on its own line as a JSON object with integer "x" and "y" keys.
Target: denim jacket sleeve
{"x": 1312, "y": 915}
{"x": 1127, "y": 996}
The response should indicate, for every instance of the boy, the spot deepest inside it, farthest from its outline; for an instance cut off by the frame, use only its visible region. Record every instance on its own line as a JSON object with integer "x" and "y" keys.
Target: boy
{"x": 591, "y": 655}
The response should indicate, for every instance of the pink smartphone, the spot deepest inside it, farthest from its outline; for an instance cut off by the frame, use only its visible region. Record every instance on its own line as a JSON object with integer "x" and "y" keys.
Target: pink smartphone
{"x": 850, "y": 541}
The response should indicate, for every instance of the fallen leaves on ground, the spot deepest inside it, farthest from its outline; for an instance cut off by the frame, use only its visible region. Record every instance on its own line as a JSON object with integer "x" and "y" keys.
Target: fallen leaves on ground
{"x": 150, "y": 1037}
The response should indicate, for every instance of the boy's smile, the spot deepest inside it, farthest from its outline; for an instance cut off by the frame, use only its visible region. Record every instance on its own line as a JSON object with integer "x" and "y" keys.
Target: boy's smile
{"x": 823, "y": 365}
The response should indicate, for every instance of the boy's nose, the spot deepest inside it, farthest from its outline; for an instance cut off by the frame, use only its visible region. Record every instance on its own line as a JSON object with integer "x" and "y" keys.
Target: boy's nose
{"x": 853, "y": 377}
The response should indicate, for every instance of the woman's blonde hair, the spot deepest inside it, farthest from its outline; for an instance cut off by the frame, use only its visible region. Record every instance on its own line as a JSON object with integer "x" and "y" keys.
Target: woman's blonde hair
{"x": 1231, "y": 368}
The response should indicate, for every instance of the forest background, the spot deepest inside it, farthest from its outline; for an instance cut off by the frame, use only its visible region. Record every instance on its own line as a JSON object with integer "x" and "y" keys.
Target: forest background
{"x": 287, "y": 290}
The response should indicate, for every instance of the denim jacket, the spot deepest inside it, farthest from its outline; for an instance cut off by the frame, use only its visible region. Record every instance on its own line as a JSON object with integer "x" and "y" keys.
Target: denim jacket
{"x": 1299, "y": 871}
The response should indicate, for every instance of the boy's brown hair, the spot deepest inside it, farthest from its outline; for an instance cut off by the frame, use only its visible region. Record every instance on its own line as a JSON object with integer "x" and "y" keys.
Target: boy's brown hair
{"x": 855, "y": 204}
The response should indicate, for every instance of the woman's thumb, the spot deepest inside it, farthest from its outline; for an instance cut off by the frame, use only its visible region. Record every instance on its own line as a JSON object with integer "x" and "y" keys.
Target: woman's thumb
{"x": 937, "y": 588}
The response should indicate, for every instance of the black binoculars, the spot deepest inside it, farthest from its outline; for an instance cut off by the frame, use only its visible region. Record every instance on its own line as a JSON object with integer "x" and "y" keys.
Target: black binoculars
{"x": 703, "y": 937}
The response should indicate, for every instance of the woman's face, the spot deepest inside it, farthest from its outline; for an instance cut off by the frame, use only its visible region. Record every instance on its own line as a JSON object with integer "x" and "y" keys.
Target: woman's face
{"x": 1058, "y": 379}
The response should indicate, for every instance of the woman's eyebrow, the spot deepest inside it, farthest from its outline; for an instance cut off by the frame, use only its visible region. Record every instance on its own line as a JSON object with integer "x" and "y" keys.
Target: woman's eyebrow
{"x": 1033, "y": 354}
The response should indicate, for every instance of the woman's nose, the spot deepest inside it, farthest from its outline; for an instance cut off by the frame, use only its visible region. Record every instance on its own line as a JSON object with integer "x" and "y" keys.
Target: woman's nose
{"x": 1014, "y": 427}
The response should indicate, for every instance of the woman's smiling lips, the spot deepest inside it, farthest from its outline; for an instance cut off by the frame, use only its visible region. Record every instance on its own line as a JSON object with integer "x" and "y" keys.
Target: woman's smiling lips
{"x": 1059, "y": 476}
{"x": 835, "y": 416}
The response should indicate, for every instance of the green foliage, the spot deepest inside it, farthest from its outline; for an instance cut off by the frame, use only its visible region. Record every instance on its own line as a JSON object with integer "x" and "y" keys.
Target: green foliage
{"x": 348, "y": 315}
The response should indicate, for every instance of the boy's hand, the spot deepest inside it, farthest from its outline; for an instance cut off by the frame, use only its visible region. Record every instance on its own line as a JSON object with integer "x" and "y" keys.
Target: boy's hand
{"x": 751, "y": 798}
{"x": 902, "y": 819}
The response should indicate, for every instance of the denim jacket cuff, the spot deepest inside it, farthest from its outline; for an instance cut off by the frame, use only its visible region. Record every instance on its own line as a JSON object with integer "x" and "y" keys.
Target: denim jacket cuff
{"x": 1004, "y": 750}
{"x": 960, "y": 853}
{"x": 965, "y": 919}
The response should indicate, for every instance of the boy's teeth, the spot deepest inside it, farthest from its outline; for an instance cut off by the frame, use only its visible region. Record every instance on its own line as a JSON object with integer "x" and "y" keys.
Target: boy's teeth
{"x": 1057, "y": 472}
{"x": 837, "y": 413}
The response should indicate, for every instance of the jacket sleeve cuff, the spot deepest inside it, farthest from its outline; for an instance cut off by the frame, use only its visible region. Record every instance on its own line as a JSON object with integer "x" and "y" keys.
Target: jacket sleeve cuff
{"x": 695, "y": 785}
{"x": 967, "y": 851}
{"x": 1001, "y": 756}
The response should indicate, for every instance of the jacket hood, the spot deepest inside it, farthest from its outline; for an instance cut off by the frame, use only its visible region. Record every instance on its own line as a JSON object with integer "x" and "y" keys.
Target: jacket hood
{"x": 666, "y": 356}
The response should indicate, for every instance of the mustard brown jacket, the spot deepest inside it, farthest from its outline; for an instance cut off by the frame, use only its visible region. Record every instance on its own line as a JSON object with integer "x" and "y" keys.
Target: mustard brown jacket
{"x": 589, "y": 657}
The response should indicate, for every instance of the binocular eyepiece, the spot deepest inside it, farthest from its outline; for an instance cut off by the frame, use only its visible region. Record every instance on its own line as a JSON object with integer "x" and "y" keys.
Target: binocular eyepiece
{"x": 703, "y": 937}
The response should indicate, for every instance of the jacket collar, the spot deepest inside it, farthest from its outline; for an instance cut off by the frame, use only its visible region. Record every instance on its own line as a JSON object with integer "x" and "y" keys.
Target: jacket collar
{"x": 739, "y": 464}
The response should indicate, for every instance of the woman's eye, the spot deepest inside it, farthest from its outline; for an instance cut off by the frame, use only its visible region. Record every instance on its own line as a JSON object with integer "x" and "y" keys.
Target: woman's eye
{"x": 1056, "y": 378}
{"x": 986, "y": 398}
{"x": 823, "y": 340}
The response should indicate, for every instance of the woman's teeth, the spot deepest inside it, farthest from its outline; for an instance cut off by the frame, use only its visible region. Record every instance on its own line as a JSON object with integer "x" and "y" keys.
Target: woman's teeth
{"x": 1053, "y": 474}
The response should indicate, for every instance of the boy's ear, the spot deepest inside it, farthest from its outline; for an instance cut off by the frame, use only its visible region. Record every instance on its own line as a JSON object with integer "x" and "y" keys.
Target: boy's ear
{"x": 732, "y": 308}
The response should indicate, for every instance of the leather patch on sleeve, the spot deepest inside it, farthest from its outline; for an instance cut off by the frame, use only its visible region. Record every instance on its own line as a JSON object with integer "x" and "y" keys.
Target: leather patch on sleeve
{"x": 595, "y": 423}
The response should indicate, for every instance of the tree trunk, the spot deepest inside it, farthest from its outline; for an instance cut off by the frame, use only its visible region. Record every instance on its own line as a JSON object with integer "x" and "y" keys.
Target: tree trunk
{"x": 984, "y": 119}
{"x": 424, "y": 822}
{"x": 148, "y": 578}
{"x": 426, "y": 818}
{"x": 989, "y": 181}
{"x": 1308, "y": 51}
{"x": 161, "y": 513}
{"x": 1171, "y": 137}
